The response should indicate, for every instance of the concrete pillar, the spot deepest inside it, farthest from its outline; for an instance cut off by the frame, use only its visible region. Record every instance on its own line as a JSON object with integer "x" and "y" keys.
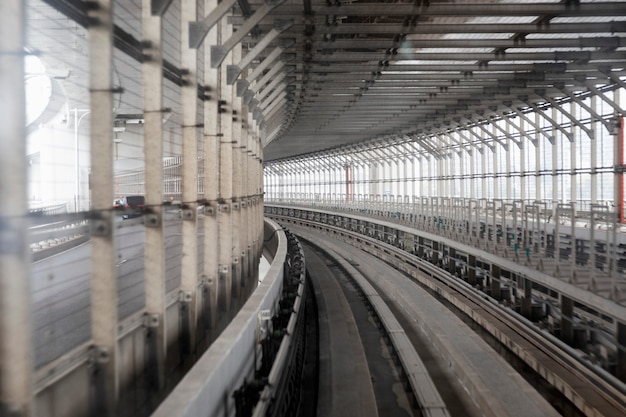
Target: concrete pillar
{"x": 237, "y": 187}
{"x": 258, "y": 214}
{"x": 244, "y": 219}
{"x": 103, "y": 277}
{"x": 190, "y": 130}
{"x": 15, "y": 318}
{"x": 224, "y": 214}
{"x": 212, "y": 135}
{"x": 154, "y": 249}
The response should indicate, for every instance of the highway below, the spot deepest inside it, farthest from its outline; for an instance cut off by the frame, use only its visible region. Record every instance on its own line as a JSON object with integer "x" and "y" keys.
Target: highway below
{"x": 61, "y": 291}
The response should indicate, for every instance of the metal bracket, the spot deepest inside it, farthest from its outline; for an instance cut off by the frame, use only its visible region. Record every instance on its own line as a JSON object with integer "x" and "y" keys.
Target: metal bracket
{"x": 151, "y": 320}
{"x": 159, "y": 7}
{"x": 185, "y": 297}
{"x": 187, "y": 214}
{"x": 100, "y": 354}
{"x": 152, "y": 220}
{"x": 241, "y": 87}
{"x": 100, "y": 227}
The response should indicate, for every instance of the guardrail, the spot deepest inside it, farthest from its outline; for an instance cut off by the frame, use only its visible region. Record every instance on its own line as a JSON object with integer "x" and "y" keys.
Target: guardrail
{"x": 538, "y": 296}
{"x": 415, "y": 263}
{"x": 213, "y": 387}
{"x": 48, "y": 208}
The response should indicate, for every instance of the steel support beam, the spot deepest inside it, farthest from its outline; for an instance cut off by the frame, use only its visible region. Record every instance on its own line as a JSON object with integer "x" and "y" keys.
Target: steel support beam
{"x": 219, "y": 52}
{"x": 190, "y": 129}
{"x": 224, "y": 214}
{"x": 154, "y": 250}
{"x": 198, "y": 30}
{"x": 234, "y": 71}
{"x": 103, "y": 276}
{"x": 243, "y": 84}
{"x": 212, "y": 134}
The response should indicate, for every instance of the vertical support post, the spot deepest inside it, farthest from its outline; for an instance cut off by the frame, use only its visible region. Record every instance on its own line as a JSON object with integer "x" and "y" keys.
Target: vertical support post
{"x": 250, "y": 192}
{"x": 471, "y": 270}
{"x": 621, "y": 351}
{"x": 435, "y": 256}
{"x": 526, "y": 300}
{"x": 620, "y": 175}
{"x": 245, "y": 238}
{"x": 557, "y": 235}
{"x": 495, "y": 282}
{"x": 594, "y": 153}
{"x": 103, "y": 277}
{"x": 212, "y": 135}
{"x": 258, "y": 201}
{"x": 452, "y": 260}
{"x": 555, "y": 165}
{"x": 420, "y": 247}
{"x": 154, "y": 249}
{"x": 237, "y": 184}
{"x": 567, "y": 317}
{"x": 15, "y": 321}
{"x": 538, "y": 154}
{"x": 225, "y": 223}
{"x": 189, "y": 98}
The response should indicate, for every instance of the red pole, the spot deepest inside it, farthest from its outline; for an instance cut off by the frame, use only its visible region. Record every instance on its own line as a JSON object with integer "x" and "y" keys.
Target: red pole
{"x": 621, "y": 175}
{"x": 348, "y": 182}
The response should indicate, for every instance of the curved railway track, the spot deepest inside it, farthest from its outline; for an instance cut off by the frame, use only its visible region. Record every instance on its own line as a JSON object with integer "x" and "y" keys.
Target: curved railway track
{"x": 581, "y": 389}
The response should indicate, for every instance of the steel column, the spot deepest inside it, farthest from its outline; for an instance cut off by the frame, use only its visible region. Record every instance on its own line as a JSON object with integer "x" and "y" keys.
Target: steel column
{"x": 103, "y": 277}
{"x": 154, "y": 250}
{"x": 237, "y": 185}
{"x": 190, "y": 129}
{"x": 212, "y": 134}
{"x": 225, "y": 222}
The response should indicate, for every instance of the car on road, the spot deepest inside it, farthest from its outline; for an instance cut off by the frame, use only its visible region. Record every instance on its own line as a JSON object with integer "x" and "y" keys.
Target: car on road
{"x": 133, "y": 205}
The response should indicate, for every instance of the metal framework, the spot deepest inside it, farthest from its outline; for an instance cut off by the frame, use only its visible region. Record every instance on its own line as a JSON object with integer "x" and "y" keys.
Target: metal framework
{"x": 203, "y": 109}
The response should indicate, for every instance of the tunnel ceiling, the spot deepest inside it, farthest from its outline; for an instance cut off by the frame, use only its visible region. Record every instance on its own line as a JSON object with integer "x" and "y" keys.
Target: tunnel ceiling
{"x": 361, "y": 70}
